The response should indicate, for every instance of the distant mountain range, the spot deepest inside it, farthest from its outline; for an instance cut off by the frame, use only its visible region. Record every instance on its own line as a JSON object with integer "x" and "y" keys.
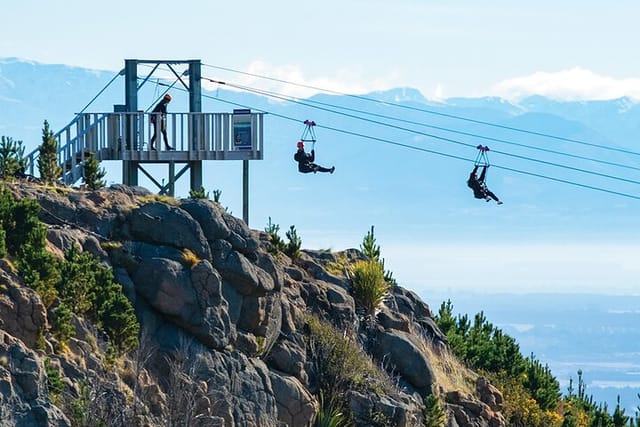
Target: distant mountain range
{"x": 377, "y": 182}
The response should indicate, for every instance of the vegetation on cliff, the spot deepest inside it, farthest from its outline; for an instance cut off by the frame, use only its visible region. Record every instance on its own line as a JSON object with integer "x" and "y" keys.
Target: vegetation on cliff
{"x": 237, "y": 327}
{"x": 531, "y": 392}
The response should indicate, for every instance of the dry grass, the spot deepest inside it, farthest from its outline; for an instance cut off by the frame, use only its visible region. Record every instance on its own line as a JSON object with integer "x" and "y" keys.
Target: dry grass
{"x": 340, "y": 266}
{"x": 56, "y": 189}
{"x": 189, "y": 258}
{"x": 111, "y": 245}
{"x": 11, "y": 263}
{"x": 340, "y": 363}
{"x": 159, "y": 198}
{"x": 449, "y": 372}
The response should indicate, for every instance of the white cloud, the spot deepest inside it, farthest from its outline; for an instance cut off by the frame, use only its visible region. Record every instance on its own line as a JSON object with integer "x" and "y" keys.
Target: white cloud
{"x": 438, "y": 94}
{"x": 574, "y": 84}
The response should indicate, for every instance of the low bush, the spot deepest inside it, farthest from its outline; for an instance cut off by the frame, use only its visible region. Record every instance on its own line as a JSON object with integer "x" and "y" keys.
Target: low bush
{"x": 369, "y": 285}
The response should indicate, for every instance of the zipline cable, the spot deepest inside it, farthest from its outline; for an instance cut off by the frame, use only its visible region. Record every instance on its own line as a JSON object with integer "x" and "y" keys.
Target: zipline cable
{"x": 158, "y": 83}
{"x": 408, "y": 146}
{"x": 423, "y": 110}
{"x": 473, "y": 135}
{"x": 120, "y": 73}
{"x": 442, "y": 138}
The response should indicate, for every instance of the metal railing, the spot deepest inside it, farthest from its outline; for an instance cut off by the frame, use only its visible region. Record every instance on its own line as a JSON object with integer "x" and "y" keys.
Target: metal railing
{"x": 127, "y": 136}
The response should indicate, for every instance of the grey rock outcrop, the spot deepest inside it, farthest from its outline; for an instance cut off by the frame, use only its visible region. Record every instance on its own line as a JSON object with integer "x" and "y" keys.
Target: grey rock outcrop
{"x": 23, "y": 391}
{"x": 403, "y": 355}
{"x": 163, "y": 224}
{"x": 225, "y": 329}
{"x": 22, "y": 313}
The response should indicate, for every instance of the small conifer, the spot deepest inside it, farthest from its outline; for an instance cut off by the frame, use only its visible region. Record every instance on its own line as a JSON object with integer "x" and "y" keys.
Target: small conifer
{"x": 48, "y": 166}
{"x": 11, "y": 156}
{"x": 93, "y": 173}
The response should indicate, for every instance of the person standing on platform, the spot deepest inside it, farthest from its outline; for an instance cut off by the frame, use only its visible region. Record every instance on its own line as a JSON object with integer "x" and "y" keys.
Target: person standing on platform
{"x": 159, "y": 114}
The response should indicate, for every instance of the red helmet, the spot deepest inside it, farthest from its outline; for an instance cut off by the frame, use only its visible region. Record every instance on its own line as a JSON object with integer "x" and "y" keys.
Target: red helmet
{"x": 167, "y": 97}
{"x": 300, "y": 144}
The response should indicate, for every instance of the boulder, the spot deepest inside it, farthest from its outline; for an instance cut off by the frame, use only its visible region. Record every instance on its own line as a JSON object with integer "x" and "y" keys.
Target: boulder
{"x": 23, "y": 390}
{"x": 209, "y": 216}
{"x": 397, "y": 412}
{"x": 22, "y": 313}
{"x": 296, "y": 406}
{"x": 489, "y": 394}
{"x": 191, "y": 299}
{"x": 402, "y": 354}
{"x": 163, "y": 224}
{"x": 247, "y": 278}
{"x": 242, "y": 238}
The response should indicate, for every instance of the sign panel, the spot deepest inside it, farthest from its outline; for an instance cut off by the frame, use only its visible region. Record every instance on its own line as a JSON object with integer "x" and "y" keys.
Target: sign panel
{"x": 242, "y": 129}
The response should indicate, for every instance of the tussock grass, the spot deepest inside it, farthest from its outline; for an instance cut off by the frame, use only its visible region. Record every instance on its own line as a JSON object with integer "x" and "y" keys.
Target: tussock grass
{"x": 369, "y": 286}
{"x": 158, "y": 198}
{"x": 57, "y": 189}
{"x": 338, "y": 362}
{"x": 189, "y": 258}
{"x": 449, "y": 372}
{"x": 111, "y": 245}
{"x": 340, "y": 266}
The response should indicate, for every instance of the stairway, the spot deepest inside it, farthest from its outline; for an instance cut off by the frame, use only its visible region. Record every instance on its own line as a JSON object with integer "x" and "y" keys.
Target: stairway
{"x": 75, "y": 142}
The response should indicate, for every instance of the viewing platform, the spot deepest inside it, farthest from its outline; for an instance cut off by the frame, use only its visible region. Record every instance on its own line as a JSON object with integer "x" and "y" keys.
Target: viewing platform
{"x": 125, "y": 134}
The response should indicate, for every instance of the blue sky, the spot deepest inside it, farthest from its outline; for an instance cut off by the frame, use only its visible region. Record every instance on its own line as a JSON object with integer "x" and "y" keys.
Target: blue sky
{"x": 569, "y": 49}
{"x": 564, "y": 50}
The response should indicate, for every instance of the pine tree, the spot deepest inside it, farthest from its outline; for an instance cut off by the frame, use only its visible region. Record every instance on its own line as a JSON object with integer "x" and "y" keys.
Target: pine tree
{"x": 369, "y": 247}
{"x": 11, "y": 156}
{"x": 295, "y": 243}
{"x": 93, "y": 173}
{"x": 371, "y": 250}
{"x": 619, "y": 417}
{"x": 48, "y": 166}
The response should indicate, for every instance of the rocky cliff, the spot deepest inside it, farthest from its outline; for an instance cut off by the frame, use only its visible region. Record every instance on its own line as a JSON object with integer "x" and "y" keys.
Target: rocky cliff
{"x": 231, "y": 334}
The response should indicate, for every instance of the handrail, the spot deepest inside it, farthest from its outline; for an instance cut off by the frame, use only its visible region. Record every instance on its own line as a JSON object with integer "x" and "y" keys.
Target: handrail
{"x": 127, "y": 136}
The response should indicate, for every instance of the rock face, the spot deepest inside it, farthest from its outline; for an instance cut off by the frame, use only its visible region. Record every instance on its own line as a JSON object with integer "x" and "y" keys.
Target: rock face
{"x": 225, "y": 338}
{"x": 23, "y": 390}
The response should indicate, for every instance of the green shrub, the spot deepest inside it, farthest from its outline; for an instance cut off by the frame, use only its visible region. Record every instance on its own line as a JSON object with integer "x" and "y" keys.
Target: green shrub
{"x": 24, "y": 237}
{"x": 198, "y": 194}
{"x": 61, "y": 323}
{"x": 80, "y": 408}
{"x": 39, "y": 270}
{"x": 371, "y": 250}
{"x": 84, "y": 286}
{"x": 77, "y": 281}
{"x": 369, "y": 285}
{"x": 54, "y": 378}
{"x": 331, "y": 414}
{"x": 114, "y": 311}
{"x": 22, "y": 224}
{"x": 338, "y": 364}
{"x": 89, "y": 288}
{"x": 216, "y": 195}
{"x": 11, "y": 157}
{"x": 48, "y": 166}
{"x": 433, "y": 412}
{"x": 295, "y": 243}
{"x": 3, "y": 245}
{"x": 93, "y": 174}
{"x": 276, "y": 244}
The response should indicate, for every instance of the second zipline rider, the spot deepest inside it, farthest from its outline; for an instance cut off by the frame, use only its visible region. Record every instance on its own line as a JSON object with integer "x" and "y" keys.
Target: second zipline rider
{"x": 478, "y": 184}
